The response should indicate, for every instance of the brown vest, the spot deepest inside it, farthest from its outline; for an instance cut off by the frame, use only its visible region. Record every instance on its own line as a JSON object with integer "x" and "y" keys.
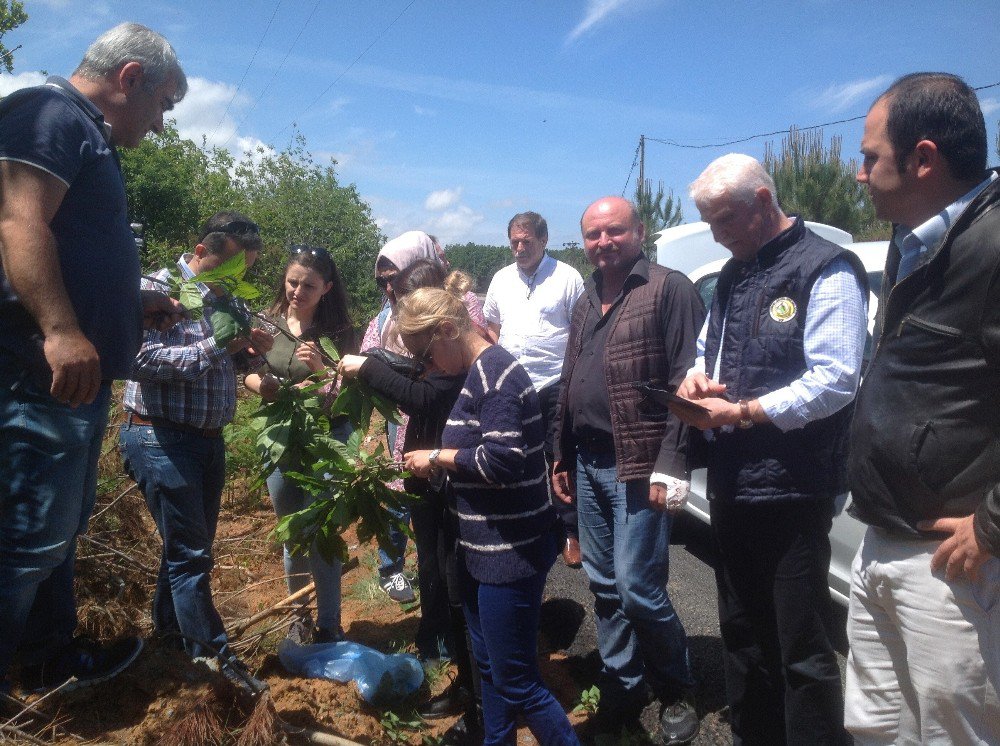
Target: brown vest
{"x": 634, "y": 353}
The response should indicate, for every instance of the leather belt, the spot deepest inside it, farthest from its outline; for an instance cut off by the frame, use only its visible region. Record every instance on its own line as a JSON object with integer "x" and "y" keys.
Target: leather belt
{"x": 205, "y": 432}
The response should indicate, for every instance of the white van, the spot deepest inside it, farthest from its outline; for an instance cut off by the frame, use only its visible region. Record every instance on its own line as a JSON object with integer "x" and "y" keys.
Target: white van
{"x": 678, "y": 251}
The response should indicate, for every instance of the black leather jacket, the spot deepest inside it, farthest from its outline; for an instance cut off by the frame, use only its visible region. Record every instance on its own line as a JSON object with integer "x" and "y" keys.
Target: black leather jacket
{"x": 925, "y": 441}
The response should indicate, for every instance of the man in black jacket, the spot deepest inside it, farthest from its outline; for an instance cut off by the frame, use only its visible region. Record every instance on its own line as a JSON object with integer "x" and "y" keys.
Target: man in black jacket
{"x": 925, "y": 450}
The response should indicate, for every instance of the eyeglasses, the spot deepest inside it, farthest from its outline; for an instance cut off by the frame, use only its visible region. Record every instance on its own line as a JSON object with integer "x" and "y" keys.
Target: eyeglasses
{"x": 238, "y": 228}
{"x": 317, "y": 251}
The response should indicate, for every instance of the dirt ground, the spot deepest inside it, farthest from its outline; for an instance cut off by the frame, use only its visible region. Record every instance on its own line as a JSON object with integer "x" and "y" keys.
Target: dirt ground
{"x": 165, "y": 698}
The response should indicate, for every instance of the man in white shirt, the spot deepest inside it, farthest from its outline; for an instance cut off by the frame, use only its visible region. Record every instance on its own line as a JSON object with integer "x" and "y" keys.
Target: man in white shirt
{"x": 528, "y": 309}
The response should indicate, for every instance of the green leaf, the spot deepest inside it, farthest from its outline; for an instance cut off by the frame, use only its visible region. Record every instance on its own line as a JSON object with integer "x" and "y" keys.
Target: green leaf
{"x": 232, "y": 269}
{"x": 326, "y": 344}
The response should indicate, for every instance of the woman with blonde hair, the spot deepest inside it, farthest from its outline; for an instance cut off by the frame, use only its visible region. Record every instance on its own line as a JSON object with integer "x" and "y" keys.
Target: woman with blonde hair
{"x": 491, "y": 449}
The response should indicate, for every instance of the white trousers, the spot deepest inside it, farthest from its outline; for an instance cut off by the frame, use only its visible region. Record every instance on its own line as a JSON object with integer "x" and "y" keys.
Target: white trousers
{"x": 924, "y": 665}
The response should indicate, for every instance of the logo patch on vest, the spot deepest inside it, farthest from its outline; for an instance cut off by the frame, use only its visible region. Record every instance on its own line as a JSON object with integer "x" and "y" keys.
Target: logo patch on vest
{"x": 783, "y": 309}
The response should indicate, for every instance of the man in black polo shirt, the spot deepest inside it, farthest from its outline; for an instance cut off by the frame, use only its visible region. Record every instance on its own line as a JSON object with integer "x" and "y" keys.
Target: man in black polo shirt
{"x": 635, "y": 321}
{"x": 71, "y": 315}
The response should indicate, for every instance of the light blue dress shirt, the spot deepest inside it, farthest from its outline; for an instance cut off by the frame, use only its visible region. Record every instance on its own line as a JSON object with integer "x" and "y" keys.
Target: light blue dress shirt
{"x": 834, "y": 344}
{"x": 916, "y": 246}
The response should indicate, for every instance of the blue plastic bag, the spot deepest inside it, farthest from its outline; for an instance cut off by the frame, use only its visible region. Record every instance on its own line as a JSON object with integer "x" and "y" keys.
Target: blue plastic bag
{"x": 381, "y": 678}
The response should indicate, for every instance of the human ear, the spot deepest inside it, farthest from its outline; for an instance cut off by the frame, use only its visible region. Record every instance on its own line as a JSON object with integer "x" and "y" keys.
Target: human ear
{"x": 130, "y": 76}
{"x": 926, "y": 157}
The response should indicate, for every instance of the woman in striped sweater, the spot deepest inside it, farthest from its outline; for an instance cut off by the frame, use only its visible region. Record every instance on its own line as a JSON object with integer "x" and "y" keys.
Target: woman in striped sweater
{"x": 492, "y": 450}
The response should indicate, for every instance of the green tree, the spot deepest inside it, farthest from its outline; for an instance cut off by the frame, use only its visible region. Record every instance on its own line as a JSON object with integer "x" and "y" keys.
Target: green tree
{"x": 573, "y": 254}
{"x": 12, "y": 15}
{"x": 657, "y": 211}
{"x": 172, "y": 187}
{"x": 814, "y": 182}
{"x": 481, "y": 261}
{"x": 296, "y": 200}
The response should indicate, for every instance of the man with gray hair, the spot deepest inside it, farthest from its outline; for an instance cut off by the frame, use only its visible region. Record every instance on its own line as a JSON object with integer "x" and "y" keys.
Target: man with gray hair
{"x": 779, "y": 359}
{"x": 71, "y": 317}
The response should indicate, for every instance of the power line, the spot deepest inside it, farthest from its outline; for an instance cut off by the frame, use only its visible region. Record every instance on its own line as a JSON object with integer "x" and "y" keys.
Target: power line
{"x": 267, "y": 86}
{"x": 249, "y": 65}
{"x": 675, "y": 144}
{"x": 348, "y": 68}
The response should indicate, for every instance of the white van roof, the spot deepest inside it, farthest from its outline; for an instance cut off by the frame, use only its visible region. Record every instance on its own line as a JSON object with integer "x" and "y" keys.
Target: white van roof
{"x": 687, "y": 247}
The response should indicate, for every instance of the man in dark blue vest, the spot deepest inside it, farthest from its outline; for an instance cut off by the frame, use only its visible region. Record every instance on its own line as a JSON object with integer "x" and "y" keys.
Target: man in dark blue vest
{"x": 778, "y": 364}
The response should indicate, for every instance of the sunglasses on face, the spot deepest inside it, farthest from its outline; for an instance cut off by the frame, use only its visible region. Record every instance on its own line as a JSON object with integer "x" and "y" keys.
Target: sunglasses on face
{"x": 316, "y": 251}
{"x": 425, "y": 357}
{"x": 384, "y": 281}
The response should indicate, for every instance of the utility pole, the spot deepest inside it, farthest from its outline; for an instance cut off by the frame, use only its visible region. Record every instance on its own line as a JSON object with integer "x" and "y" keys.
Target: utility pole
{"x": 642, "y": 163}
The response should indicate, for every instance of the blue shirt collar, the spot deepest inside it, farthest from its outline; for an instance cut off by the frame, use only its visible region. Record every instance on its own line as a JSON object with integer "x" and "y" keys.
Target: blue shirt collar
{"x": 929, "y": 234}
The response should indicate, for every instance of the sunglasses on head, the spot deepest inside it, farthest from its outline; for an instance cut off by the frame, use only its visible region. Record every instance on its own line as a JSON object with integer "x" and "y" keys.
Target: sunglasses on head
{"x": 238, "y": 228}
{"x": 316, "y": 251}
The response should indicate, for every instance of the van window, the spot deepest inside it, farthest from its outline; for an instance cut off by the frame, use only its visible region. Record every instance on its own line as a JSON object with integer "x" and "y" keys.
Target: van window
{"x": 706, "y": 288}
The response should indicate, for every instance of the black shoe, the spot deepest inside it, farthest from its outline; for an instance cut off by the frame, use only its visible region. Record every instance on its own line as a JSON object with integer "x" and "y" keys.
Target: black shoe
{"x": 81, "y": 663}
{"x": 237, "y": 673}
{"x": 463, "y": 733}
{"x": 301, "y": 632}
{"x": 321, "y": 636}
{"x": 452, "y": 701}
{"x": 678, "y": 721}
{"x": 398, "y": 588}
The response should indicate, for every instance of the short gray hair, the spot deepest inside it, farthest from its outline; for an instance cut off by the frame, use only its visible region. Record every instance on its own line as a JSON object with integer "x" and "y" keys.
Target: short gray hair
{"x": 735, "y": 176}
{"x": 133, "y": 42}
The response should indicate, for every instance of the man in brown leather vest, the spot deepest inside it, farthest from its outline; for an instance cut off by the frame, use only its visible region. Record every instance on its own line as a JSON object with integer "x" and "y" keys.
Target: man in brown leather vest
{"x": 624, "y": 461}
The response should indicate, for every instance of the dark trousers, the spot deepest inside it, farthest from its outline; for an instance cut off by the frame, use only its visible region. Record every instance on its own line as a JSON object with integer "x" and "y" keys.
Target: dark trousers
{"x": 548, "y": 398}
{"x": 782, "y": 680}
{"x": 428, "y": 515}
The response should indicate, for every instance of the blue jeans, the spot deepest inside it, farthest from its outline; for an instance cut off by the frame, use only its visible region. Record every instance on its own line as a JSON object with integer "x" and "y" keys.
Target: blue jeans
{"x": 287, "y": 497}
{"x": 48, "y": 461}
{"x": 392, "y": 564}
{"x": 503, "y": 626}
{"x": 625, "y": 545}
{"x": 182, "y": 475}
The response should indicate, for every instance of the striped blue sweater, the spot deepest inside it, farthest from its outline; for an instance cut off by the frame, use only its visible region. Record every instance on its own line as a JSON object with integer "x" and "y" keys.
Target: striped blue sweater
{"x": 504, "y": 515}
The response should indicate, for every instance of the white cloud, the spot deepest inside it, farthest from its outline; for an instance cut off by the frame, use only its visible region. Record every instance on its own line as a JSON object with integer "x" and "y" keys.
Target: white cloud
{"x": 989, "y": 106}
{"x": 422, "y": 111}
{"x": 597, "y": 11}
{"x": 206, "y": 111}
{"x": 442, "y": 199}
{"x": 455, "y": 225}
{"x": 840, "y": 96}
{"x": 335, "y": 106}
{"x": 11, "y": 83}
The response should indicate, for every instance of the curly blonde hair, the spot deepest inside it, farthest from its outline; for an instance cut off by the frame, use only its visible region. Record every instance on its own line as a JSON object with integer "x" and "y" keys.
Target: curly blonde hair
{"x": 423, "y": 310}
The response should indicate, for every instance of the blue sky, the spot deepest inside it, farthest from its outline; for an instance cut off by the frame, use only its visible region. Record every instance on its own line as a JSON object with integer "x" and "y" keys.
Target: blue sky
{"x": 450, "y": 116}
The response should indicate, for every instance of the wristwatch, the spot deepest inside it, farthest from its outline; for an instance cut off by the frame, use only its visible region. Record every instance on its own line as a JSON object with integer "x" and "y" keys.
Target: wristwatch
{"x": 745, "y": 421}
{"x": 432, "y": 458}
